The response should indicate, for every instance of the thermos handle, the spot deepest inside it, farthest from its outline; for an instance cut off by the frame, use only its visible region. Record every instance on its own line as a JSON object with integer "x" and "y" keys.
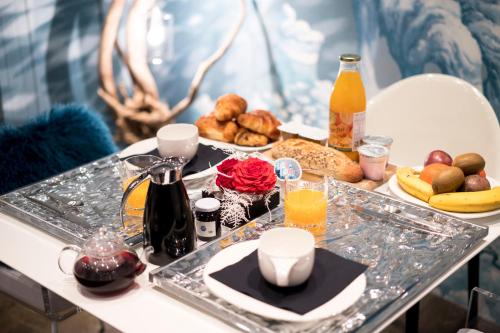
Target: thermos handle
{"x": 132, "y": 186}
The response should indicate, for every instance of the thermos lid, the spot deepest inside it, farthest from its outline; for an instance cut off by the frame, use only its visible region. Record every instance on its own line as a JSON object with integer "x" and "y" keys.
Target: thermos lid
{"x": 207, "y": 205}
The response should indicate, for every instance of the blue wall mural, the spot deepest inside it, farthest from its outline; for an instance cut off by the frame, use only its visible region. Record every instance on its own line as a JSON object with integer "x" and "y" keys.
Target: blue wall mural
{"x": 285, "y": 58}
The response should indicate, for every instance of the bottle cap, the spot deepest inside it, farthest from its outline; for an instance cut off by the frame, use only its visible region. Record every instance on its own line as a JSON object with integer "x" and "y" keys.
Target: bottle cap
{"x": 207, "y": 205}
{"x": 350, "y": 57}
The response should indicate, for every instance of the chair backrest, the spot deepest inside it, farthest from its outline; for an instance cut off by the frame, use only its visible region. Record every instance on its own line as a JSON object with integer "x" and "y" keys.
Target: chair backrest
{"x": 435, "y": 111}
{"x": 486, "y": 317}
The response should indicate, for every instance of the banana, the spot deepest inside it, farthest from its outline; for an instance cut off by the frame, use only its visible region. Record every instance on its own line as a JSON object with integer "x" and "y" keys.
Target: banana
{"x": 410, "y": 182}
{"x": 467, "y": 202}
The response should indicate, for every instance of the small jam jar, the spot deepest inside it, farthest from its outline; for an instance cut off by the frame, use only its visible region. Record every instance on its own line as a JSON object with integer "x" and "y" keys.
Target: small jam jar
{"x": 207, "y": 223}
{"x": 373, "y": 160}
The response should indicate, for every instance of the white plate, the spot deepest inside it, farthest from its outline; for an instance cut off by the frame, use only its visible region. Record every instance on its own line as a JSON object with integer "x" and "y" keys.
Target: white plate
{"x": 402, "y": 194}
{"x": 236, "y": 252}
{"x": 224, "y": 145}
{"x": 148, "y": 145}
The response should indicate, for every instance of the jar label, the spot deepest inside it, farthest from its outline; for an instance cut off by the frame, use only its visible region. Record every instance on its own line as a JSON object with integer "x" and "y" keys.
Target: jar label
{"x": 346, "y": 130}
{"x": 206, "y": 229}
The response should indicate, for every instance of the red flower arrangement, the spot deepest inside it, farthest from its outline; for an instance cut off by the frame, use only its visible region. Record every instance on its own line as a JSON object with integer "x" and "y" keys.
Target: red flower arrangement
{"x": 252, "y": 175}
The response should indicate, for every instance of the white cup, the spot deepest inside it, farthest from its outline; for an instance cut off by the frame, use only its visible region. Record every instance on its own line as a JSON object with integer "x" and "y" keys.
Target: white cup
{"x": 178, "y": 140}
{"x": 286, "y": 256}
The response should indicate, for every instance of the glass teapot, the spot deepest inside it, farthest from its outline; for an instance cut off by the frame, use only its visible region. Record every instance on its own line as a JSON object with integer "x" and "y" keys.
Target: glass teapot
{"x": 105, "y": 264}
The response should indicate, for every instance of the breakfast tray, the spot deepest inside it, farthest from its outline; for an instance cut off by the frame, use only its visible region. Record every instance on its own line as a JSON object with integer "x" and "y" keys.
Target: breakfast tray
{"x": 96, "y": 185}
{"x": 371, "y": 228}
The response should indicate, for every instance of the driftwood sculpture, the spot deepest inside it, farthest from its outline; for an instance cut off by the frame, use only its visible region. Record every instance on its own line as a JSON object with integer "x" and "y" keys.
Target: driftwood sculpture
{"x": 140, "y": 115}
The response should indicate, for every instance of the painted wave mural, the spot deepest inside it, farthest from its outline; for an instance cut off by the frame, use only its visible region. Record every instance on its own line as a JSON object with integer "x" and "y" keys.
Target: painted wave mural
{"x": 460, "y": 38}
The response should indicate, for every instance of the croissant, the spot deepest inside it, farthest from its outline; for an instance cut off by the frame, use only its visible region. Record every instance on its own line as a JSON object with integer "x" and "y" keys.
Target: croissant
{"x": 245, "y": 137}
{"x": 209, "y": 127}
{"x": 229, "y": 106}
{"x": 262, "y": 122}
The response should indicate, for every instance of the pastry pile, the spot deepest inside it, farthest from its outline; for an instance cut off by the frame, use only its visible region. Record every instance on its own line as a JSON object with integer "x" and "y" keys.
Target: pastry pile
{"x": 229, "y": 122}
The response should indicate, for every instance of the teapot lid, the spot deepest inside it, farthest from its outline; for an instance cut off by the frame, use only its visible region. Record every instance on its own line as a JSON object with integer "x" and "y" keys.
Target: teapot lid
{"x": 104, "y": 243}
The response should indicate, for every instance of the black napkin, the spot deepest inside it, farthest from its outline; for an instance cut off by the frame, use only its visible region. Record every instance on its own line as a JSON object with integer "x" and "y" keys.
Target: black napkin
{"x": 205, "y": 157}
{"x": 331, "y": 274}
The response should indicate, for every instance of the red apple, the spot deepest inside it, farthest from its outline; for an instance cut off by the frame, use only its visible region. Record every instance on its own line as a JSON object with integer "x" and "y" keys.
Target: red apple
{"x": 438, "y": 156}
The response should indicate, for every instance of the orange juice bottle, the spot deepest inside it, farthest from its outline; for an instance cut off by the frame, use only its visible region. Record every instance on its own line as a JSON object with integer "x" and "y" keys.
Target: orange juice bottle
{"x": 347, "y": 108}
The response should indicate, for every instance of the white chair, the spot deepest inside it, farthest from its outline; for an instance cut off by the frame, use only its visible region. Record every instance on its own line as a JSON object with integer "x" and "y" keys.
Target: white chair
{"x": 426, "y": 112}
{"x": 435, "y": 111}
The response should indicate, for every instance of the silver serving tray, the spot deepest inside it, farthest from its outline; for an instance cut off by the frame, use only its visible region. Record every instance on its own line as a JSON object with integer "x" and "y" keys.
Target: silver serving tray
{"x": 406, "y": 247}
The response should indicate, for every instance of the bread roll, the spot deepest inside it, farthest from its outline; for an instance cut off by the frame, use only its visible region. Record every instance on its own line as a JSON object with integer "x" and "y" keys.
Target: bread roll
{"x": 262, "y": 122}
{"x": 323, "y": 161}
{"x": 209, "y": 127}
{"x": 245, "y": 137}
{"x": 229, "y": 106}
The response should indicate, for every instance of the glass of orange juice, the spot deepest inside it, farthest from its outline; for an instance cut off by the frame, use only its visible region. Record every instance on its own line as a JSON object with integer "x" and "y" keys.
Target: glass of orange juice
{"x": 306, "y": 205}
{"x": 130, "y": 169}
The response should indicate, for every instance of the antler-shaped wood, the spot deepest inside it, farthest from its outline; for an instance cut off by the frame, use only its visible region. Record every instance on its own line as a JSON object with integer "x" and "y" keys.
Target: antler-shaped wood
{"x": 139, "y": 115}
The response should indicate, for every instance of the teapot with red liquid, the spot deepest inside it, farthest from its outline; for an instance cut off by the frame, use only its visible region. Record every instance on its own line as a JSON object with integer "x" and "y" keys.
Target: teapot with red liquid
{"x": 105, "y": 264}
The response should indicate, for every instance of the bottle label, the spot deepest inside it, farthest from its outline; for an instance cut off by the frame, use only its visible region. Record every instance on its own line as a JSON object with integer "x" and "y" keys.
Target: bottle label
{"x": 206, "y": 229}
{"x": 346, "y": 130}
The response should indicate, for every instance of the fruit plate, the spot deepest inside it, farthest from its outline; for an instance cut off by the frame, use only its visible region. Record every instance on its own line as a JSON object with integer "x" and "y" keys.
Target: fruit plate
{"x": 402, "y": 194}
{"x": 236, "y": 252}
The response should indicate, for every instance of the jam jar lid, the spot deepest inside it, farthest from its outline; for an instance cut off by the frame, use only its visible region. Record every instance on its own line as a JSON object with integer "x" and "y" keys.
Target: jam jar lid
{"x": 207, "y": 205}
{"x": 104, "y": 243}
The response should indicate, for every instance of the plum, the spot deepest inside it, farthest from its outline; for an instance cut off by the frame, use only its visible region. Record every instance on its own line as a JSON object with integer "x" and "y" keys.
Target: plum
{"x": 438, "y": 156}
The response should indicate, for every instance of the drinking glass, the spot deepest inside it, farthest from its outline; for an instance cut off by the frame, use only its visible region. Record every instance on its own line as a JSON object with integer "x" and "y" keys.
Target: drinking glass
{"x": 306, "y": 206}
{"x": 130, "y": 168}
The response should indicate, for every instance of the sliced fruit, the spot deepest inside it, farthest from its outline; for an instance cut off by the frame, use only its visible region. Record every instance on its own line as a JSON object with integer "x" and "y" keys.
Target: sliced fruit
{"x": 467, "y": 202}
{"x": 429, "y": 172}
{"x": 409, "y": 181}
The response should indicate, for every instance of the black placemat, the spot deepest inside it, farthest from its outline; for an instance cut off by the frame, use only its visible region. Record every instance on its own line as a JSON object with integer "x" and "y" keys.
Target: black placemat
{"x": 206, "y": 157}
{"x": 331, "y": 274}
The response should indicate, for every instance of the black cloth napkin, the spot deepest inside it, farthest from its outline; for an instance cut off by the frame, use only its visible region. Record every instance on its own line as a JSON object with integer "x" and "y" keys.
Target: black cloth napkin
{"x": 205, "y": 157}
{"x": 331, "y": 274}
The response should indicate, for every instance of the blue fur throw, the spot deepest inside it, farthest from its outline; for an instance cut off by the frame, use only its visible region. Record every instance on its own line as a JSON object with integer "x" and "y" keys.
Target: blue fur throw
{"x": 66, "y": 137}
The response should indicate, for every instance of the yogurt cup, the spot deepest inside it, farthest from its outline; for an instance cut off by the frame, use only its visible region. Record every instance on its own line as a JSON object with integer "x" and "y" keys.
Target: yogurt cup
{"x": 373, "y": 160}
{"x": 379, "y": 140}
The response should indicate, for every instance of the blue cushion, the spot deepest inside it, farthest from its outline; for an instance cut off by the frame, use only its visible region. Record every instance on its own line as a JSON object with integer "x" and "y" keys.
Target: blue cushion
{"x": 66, "y": 137}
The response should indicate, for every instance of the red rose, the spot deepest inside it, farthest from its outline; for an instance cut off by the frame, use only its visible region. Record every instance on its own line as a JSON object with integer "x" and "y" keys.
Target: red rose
{"x": 225, "y": 176}
{"x": 253, "y": 176}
